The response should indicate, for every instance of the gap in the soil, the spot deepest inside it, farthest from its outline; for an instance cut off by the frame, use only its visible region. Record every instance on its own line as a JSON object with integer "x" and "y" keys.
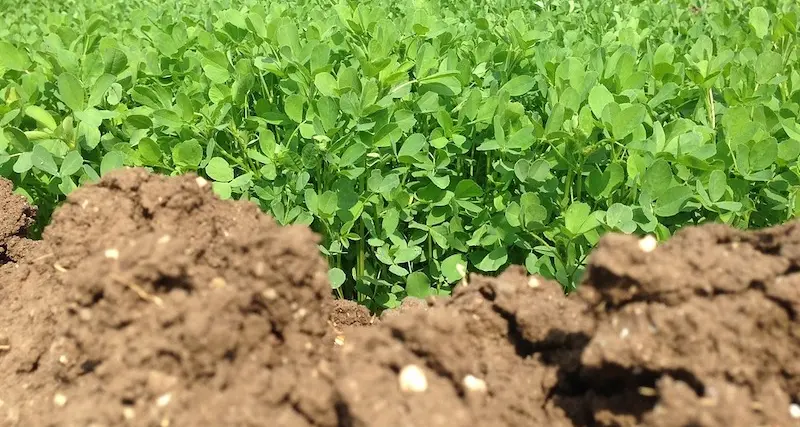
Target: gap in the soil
{"x": 167, "y": 284}
{"x": 613, "y": 388}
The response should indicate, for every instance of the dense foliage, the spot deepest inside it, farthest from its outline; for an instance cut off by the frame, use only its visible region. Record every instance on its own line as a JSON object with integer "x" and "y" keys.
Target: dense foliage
{"x": 421, "y": 138}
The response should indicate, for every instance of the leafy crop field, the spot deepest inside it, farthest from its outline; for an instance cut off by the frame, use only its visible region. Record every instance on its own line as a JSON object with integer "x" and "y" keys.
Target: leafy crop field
{"x": 421, "y": 139}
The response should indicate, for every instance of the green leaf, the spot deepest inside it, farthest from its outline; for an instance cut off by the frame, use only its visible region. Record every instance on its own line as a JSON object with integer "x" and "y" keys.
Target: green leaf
{"x": 409, "y": 254}
{"x": 578, "y": 219}
{"x": 187, "y": 154}
{"x": 539, "y": 170}
{"x": 100, "y": 88}
{"x": 413, "y": 145}
{"x": 294, "y": 107}
{"x": 763, "y": 154}
{"x": 657, "y": 178}
{"x": 336, "y": 277}
{"x": 23, "y": 163}
{"x": 111, "y": 161}
{"x": 390, "y": 221}
{"x": 443, "y": 84}
{"x": 620, "y": 217}
{"x": 759, "y": 20}
{"x": 139, "y": 122}
{"x": 768, "y": 65}
{"x": 167, "y": 118}
{"x": 627, "y": 120}
{"x": 149, "y": 151}
{"x": 531, "y": 263}
{"x": 67, "y": 186}
{"x": 418, "y": 285}
{"x": 223, "y": 190}
{"x": 602, "y": 185}
{"x": 218, "y": 169}
{"x": 467, "y": 189}
{"x": 789, "y": 150}
{"x": 71, "y": 92}
{"x": 521, "y": 139}
{"x": 41, "y": 116}
{"x": 12, "y": 58}
{"x": 72, "y": 164}
{"x": 328, "y": 203}
{"x": 326, "y": 84}
{"x": 311, "y": 199}
{"x": 519, "y": 85}
{"x": 352, "y": 154}
{"x": 522, "y": 169}
{"x": 717, "y": 184}
{"x": 215, "y": 66}
{"x": 43, "y": 160}
{"x": 453, "y": 266}
{"x": 599, "y": 97}
{"x": 115, "y": 61}
{"x": 491, "y": 261}
{"x": 671, "y": 201}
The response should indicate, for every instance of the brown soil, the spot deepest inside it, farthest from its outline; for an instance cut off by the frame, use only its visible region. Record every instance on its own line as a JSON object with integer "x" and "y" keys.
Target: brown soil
{"x": 149, "y": 302}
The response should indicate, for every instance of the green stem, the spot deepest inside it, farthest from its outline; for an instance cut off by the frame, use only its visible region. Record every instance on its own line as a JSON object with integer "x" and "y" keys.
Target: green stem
{"x": 568, "y": 187}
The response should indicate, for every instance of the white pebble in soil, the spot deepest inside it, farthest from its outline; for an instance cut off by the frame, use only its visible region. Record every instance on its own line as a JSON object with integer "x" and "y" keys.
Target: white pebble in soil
{"x": 648, "y": 243}
{"x": 413, "y": 380}
{"x": 473, "y": 383}
{"x": 794, "y": 410}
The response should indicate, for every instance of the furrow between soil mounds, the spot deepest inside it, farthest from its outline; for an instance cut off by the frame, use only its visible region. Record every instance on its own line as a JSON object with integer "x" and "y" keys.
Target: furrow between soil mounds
{"x": 482, "y": 353}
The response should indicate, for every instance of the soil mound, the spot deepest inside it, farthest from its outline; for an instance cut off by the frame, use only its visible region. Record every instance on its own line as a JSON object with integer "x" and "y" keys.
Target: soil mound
{"x": 178, "y": 309}
{"x": 16, "y": 215}
{"x": 152, "y": 303}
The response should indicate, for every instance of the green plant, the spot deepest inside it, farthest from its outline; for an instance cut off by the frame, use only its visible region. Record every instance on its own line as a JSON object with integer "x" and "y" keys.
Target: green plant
{"x": 420, "y": 138}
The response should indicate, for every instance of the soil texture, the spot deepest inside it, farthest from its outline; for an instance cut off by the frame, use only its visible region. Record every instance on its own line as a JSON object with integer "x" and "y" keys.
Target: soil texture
{"x": 150, "y": 302}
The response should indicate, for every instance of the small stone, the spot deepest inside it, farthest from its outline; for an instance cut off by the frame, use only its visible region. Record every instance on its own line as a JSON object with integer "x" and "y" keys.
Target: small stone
{"x": 112, "y": 254}
{"x": 164, "y": 400}
{"x": 60, "y": 400}
{"x": 412, "y": 379}
{"x": 217, "y": 283}
{"x": 533, "y": 282}
{"x": 473, "y": 383}
{"x": 260, "y": 268}
{"x": 794, "y": 410}
{"x": 63, "y": 359}
{"x": 128, "y": 413}
{"x": 624, "y": 333}
{"x": 648, "y": 243}
{"x": 201, "y": 182}
{"x": 85, "y": 314}
{"x": 164, "y": 239}
{"x": 160, "y": 383}
{"x": 339, "y": 340}
{"x": 270, "y": 294}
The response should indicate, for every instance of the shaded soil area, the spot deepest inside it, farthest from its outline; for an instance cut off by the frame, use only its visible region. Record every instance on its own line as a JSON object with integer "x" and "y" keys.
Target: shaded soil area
{"x": 149, "y": 302}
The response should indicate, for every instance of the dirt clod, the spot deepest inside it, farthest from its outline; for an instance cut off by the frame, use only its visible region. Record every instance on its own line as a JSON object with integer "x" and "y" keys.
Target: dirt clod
{"x": 150, "y": 302}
